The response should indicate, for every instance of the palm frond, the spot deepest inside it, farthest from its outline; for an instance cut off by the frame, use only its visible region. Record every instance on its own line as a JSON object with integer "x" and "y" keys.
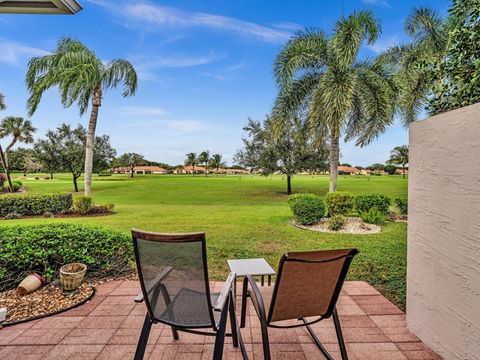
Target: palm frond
{"x": 307, "y": 50}
{"x": 2, "y": 102}
{"x": 120, "y": 71}
{"x": 427, "y": 28}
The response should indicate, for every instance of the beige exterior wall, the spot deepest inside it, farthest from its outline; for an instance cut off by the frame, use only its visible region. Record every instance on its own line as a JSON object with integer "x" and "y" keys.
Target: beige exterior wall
{"x": 443, "y": 280}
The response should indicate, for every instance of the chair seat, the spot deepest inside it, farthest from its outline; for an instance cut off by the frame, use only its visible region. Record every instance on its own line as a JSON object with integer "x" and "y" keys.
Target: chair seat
{"x": 190, "y": 309}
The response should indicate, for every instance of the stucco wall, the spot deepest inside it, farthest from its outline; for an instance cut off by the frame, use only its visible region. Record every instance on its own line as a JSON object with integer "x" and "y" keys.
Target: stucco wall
{"x": 443, "y": 281}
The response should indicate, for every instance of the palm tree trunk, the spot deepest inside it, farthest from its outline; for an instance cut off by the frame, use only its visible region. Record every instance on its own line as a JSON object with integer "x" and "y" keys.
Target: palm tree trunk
{"x": 334, "y": 158}
{"x": 5, "y": 167}
{"x": 403, "y": 171}
{"x": 289, "y": 184}
{"x": 92, "y": 125}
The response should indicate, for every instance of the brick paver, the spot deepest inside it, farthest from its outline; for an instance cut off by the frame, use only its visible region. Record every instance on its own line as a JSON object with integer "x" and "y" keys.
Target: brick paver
{"x": 108, "y": 327}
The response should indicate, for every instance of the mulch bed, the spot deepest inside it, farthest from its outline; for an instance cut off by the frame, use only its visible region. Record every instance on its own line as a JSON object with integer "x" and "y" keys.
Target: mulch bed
{"x": 353, "y": 226}
{"x": 48, "y": 300}
{"x": 61, "y": 216}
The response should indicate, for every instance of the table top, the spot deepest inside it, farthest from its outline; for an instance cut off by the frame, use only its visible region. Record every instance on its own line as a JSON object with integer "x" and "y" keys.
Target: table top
{"x": 243, "y": 267}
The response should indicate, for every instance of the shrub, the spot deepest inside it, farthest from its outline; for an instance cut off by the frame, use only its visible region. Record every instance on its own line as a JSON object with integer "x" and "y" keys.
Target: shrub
{"x": 3, "y": 179}
{"x": 103, "y": 209}
{"x": 364, "y": 203}
{"x": 35, "y": 204}
{"x": 402, "y": 205}
{"x": 308, "y": 209}
{"x": 336, "y": 222}
{"x": 104, "y": 173}
{"x": 373, "y": 216}
{"x": 17, "y": 185}
{"x": 45, "y": 248}
{"x": 390, "y": 169}
{"x": 83, "y": 205}
{"x": 48, "y": 215}
{"x": 339, "y": 202}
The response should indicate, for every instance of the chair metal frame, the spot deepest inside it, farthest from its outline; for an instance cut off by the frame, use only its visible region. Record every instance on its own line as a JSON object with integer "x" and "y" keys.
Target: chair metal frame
{"x": 225, "y": 303}
{"x": 266, "y": 319}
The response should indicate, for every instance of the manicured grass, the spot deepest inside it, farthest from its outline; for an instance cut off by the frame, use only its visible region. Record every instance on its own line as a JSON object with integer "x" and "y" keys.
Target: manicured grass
{"x": 244, "y": 216}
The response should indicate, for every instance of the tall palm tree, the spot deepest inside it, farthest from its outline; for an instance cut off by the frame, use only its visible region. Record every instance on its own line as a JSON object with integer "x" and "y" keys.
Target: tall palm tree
{"x": 83, "y": 78}
{"x": 21, "y": 130}
{"x": 191, "y": 160}
{"x": 216, "y": 161}
{"x": 321, "y": 76}
{"x": 399, "y": 156}
{"x": 414, "y": 61}
{"x": 204, "y": 159}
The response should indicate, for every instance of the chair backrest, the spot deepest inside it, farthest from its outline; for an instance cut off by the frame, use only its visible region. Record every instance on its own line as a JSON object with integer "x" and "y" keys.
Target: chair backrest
{"x": 309, "y": 283}
{"x": 173, "y": 274}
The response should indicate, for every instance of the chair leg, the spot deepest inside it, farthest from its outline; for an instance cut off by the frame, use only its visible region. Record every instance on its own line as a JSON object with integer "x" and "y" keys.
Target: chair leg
{"x": 233, "y": 321}
{"x": 265, "y": 340}
{"x": 220, "y": 337}
{"x": 317, "y": 341}
{"x": 243, "y": 314}
{"x": 175, "y": 333}
{"x": 142, "y": 342}
{"x": 338, "y": 329}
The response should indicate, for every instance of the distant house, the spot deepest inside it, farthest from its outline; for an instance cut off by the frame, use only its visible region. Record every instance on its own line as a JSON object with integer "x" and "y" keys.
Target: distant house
{"x": 365, "y": 172}
{"x": 191, "y": 170}
{"x": 400, "y": 172}
{"x": 140, "y": 170}
{"x": 348, "y": 170}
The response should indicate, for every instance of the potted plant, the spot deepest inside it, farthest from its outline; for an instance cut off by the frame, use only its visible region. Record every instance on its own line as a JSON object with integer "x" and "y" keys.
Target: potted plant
{"x": 31, "y": 283}
{"x": 71, "y": 276}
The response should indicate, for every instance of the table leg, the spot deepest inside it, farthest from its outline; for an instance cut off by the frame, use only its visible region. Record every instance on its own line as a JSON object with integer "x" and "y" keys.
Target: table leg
{"x": 263, "y": 280}
{"x": 269, "y": 280}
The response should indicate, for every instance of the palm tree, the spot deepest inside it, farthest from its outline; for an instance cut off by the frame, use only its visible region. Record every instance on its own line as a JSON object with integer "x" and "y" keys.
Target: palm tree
{"x": 82, "y": 77}
{"x": 204, "y": 158}
{"x": 216, "y": 161}
{"x": 191, "y": 161}
{"x": 414, "y": 61}
{"x": 21, "y": 130}
{"x": 399, "y": 156}
{"x": 2, "y": 102}
{"x": 321, "y": 76}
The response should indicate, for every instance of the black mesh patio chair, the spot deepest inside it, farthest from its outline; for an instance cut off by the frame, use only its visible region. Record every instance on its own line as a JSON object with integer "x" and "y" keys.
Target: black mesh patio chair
{"x": 307, "y": 288}
{"x": 172, "y": 269}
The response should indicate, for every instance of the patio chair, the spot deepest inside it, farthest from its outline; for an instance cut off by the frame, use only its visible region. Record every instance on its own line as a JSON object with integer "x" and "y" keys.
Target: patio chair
{"x": 307, "y": 288}
{"x": 172, "y": 269}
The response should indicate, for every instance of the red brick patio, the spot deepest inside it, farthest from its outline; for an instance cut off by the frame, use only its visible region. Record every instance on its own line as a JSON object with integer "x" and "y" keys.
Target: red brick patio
{"x": 108, "y": 327}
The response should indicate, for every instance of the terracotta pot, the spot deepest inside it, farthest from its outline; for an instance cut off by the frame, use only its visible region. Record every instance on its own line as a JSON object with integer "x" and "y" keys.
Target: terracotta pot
{"x": 30, "y": 284}
{"x": 71, "y": 276}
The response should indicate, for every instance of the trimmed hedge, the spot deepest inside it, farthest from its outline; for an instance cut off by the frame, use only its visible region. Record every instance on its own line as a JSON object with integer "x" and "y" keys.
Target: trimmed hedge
{"x": 339, "y": 202}
{"x": 364, "y": 203}
{"x": 35, "y": 204}
{"x": 308, "y": 209}
{"x": 45, "y": 248}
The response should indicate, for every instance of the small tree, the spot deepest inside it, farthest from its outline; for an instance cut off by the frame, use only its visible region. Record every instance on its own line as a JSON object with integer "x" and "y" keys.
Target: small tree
{"x": 20, "y": 130}
{"x": 287, "y": 149}
{"x": 390, "y": 169}
{"x": 191, "y": 160}
{"x": 399, "y": 156}
{"x": 204, "y": 158}
{"x": 131, "y": 160}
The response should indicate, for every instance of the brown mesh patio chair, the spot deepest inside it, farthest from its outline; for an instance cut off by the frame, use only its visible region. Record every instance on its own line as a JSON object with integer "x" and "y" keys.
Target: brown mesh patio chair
{"x": 307, "y": 288}
{"x": 172, "y": 269}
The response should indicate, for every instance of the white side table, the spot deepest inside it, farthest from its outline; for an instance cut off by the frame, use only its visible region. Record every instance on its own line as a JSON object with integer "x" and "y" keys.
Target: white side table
{"x": 254, "y": 267}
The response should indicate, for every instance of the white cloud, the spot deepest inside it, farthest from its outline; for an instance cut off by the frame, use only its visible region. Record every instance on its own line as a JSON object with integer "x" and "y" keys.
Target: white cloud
{"x": 377, "y": 2}
{"x": 227, "y": 73}
{"x": 147, "y": 14}
{"x": 384, "y": 43}
{"x": 15, "y": 53}
{"x": 141, "y": 111}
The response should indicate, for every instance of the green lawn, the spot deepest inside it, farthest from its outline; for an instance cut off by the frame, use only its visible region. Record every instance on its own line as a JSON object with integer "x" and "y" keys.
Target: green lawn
{"x": 245, "y": 217}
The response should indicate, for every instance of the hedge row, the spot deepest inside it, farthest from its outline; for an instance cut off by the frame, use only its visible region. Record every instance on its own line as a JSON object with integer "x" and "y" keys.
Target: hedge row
{"x": 45, "y": 248}
{"x": 35, "y": 204}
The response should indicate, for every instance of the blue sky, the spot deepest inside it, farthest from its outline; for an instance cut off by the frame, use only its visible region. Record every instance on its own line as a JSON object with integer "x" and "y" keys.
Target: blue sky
{"x": 204, "y": 67}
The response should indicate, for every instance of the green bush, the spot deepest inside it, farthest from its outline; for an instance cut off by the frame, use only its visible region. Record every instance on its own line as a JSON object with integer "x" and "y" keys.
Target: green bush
{"x": 373, "y": 216}
{"x": 35, "y": 204}
{"x": 339, "y": 202}
{"x": 3, "y": 179}
{"x": 402, "y": 205}
{"x": 336, "y": 222}
{"x": 83, "y": 205}
{"x": 17, "y": 185}
{"x": 308, "y": 209}
{"x": 363, "y": 203}
{"x": 45, "y": 248}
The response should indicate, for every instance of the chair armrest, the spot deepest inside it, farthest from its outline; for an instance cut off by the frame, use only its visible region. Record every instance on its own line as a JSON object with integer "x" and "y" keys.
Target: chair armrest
{"x": 256, "y": 295}
{"x": 223, "y": 297}
{"x": 154, "y": 283}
